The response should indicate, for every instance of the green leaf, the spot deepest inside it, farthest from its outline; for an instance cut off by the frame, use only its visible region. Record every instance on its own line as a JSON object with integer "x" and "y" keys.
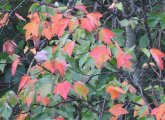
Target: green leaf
{"x": 146, "y": 52}
{"x": 45, "y": 89}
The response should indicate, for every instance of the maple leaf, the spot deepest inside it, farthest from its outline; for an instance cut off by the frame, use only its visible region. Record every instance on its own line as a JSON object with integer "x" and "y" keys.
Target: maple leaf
{"x": 32, "y": 27}
{"x": 81, "y": 8}
{"x": 73, "y": 24}
{"x": 60, "y": 66}
{"x": 159, "y": 112}
{"x": 100, "y": 54}
{"x": 117, "y": 110}
{"x": 62, "y": 89}
{"x": 19, "y": 17}
{"x": 45, "y": 101}
{"x": 115, "y": 92}
{"x": 4, "y": 20}
{"x": 68, "y": 48}
{"x": 59, "y": 24}
{"x": 14, "y": 66}
{"x": 24, "y": 81}
{"x": 94, "y": 17}
{"x": 81, "y": 89}
{"x": 9, "y": 47}
{"x": 106, "y": 35}
{"x": 87, "y": 24}
{"x": 158, "y": 55}
{"x": 47, "y": 30}
{"x": 123, "y": 59}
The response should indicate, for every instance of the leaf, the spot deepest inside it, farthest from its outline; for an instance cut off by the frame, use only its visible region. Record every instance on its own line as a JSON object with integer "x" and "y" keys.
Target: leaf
{"x": 87, "y": 25}
{"x": 60, "y": 66}
{"x": 47, "y": 30}
{"x": 138, "y": 108}
{"x": 73, "y": 24}
{"x": 159, "y": 112}
{"x": 62, "y": 89}
{"x": 123, "y": 59}
{"x": 100, "y": 54}
{"x": 24, "y": 81}
{"x": 59, "y": 118}
{"x": 45, "y": 89}
{"x": 68, "y": 48}
{"x": 81, "y": 89}
{"x": 95, "y": 18}
{"x": 81, "y": 8}
{"x": 158, "y": 55}
{"x": 45, "y": 101}
{"x": 29, "y": 98}
{"x": 14, "y": 66}
{"x": 22, "y": 116}
{"x": 117, "y": 110}
{"x": 115, "y": 92}
{"x": 59, "y": 24}
{"x": 50, "y": 66}
{"x": 32, "y": 27}
{"x": 9, "y": 47}
{"x": 20, "y": 17}
{"x": 4, "y": 20}
{"x": 106, "y": 35}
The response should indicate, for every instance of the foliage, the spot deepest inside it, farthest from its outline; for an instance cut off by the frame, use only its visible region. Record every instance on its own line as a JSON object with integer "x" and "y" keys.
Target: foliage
{"x": 80, "y": 59}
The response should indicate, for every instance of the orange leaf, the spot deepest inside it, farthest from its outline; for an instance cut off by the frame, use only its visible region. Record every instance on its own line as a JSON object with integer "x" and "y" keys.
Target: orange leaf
{"x": 100, "y": 54}
{"x": 60, "y": 66}
{"x": 22, "y": 116}
{"x": 47, "y": 30}
{"x": 68, "y": 48}
{"x": 32, "y": 27}
{"x": 62, "y": 89}
{"x": 59, "y": 24}
{"x": 158, "y": 55}
{"x": 87, "y": 24}
{"x": 24, "y": 81}
{"x": 50, "y": 66}
{"x": 9, "y": 47}
{"x": 73, "y": 24}
{"x": 159, "y": 112}
{"x": 29, "y": 98}
{"x": 19, "y": 17}
{"x": 81, "y": 89}
{"x": 14, "y": 66}
{"x": 106, "y": 35}
{"x": 115, "y": 92}
{"x": 123, "y": 59}
{"x": 117, "y": 110}
{"x": 45, "y": 101}
{"x": 4, "y": 20}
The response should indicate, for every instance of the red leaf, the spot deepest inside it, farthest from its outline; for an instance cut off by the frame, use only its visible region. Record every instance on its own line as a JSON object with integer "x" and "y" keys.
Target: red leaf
{"x": 19, "y": 17}
{"x": 47, "y": 30}
{"x": 100, "y": 54}
{"x": 24, "y": 81}
{"x": 9, "y": 47}
{"x": 106, "y": 35}
{"x": 59, "y": 118}
{"x": 115, "y": 92}
{"x": 158, "y": 55}
{"x": 81, "y": 8}
{"x": 87, "y": 24}
{"x": 62, "y": 89}
{"x": 117, "y": 110}
{"x": 60, "y": 66}
{"x": 68, "y": 48}
{"x": 95, "y": 18}
{"x": 50, "y": 66}
{"x": 14, "y": 66}
{"x": 159, "y": 112}
{"x": 32, "y": 27}
{"x": 123, "y": 59}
